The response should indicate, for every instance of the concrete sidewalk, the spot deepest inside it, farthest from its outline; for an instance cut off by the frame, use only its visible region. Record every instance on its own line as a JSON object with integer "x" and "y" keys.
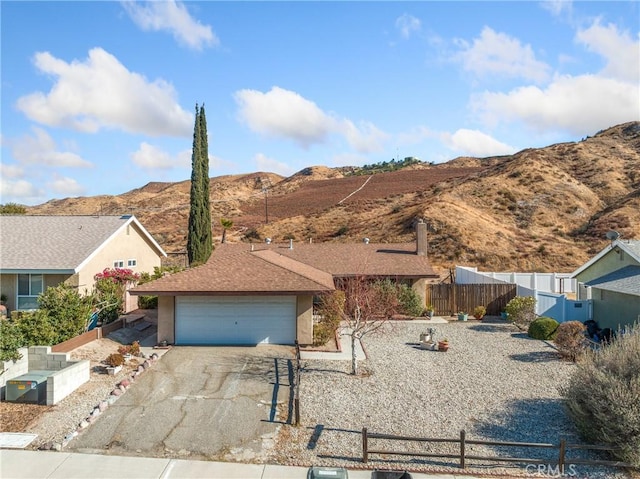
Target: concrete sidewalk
{"x": 20, "y": 464}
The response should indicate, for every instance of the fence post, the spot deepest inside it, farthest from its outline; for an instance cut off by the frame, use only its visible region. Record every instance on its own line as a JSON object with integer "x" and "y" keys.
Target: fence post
{"x": 296, "y": 387}
{"x": 561, "y": 458}
{"x": 365, "y": 446}
{"x": 462, "y": 446}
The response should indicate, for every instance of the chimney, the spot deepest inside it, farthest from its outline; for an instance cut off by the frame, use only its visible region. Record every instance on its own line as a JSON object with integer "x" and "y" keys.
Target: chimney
{"x": 421, "y": 238}
{"x": 291, "y": 244}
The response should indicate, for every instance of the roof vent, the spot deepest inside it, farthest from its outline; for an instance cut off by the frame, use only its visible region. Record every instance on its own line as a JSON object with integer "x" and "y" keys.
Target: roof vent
{"x": 291, "y": 244}
{"x": 267, "y": 240}
{"x": 365, "y": 240}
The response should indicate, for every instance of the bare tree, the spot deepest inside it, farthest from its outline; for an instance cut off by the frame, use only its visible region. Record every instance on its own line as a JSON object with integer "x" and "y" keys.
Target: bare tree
{"x": 363, "y": 306}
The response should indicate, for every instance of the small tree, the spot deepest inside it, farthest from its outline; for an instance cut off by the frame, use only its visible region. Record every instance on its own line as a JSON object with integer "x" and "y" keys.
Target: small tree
{"x": 521, "y": 310}
{"x": 12, "y": 209}
{"x": 364, "y": 307}
{"x": 226, "y": 224}
{"x": 571, "y": 340}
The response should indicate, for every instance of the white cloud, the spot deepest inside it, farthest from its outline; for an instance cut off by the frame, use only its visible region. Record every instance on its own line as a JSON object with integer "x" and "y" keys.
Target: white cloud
{"x": 476, "y": 143}
{"x": 18, "y": 191}
{"x": 151, "y": 157}
{"x": 263, "y": 163}
{"x": 173, "y": 17}
{"x": 11, "y": 171}
{"x": 558, "y": 7}
{"x": 286, "y": 114}
{"x": 498, "y": 54}
{"x": 580, "y": 105}
{"x": 65, "y": 186}
{"x": 620, "y": 51}
{"x": 365, "y": 139}
{"x": 101, "y": 93}
{"x": 407, "y": 24}
{"x": 41, "y": 149}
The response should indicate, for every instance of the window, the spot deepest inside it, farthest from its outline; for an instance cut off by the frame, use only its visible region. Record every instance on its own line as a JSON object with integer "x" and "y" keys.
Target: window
{"x": 118, "y": 263}
{"x": 29, "y": 287}
{"x": 132, "y": 263}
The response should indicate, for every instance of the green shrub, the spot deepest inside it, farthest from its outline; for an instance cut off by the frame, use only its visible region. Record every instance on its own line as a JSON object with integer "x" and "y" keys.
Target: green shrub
{"x": 571, "y": 340}
{"x": 479, "y": 312}
{"x": 410, "y": 302}
{"x": 148, "y": 302}
{"x": 10, "y": 340}
{"x": 36, "y": 328}
{"x": 521, "y": 310}
{"x": 603, "y": 396}
{"x": 543, "y": 328}
{"x": 329, "y": 321}
{"x": 67, "y": 310}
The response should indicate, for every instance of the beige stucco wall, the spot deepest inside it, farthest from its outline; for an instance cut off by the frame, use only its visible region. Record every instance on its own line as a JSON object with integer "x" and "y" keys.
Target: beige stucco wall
{"x": 612, "y": 261}
{"x": 130, "y": 243}
{"x": 304, "y": 323}
{"x": 420, "y": 287}
{"x": 166, "y": 319}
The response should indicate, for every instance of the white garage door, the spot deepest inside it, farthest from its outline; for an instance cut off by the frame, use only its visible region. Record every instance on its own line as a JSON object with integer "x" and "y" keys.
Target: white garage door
{"x": 235, "y": 319}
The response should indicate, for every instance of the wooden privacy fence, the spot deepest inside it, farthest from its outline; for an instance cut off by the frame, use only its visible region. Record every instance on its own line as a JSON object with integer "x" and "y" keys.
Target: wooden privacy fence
{"x": 448, "y": 299}
{"x": 560, "y": 459}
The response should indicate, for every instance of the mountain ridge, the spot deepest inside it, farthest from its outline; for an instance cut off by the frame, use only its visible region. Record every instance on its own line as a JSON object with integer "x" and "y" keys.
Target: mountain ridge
{"x": 539, "y": 209}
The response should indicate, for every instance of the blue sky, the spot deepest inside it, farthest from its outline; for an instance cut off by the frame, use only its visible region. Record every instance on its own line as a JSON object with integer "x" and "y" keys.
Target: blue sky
{"x": 99, "y": 97}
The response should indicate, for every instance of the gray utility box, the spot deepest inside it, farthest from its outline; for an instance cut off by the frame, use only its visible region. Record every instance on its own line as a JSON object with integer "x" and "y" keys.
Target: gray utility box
{"x": 29, "y": 388}
{"x": 327, "y": 473}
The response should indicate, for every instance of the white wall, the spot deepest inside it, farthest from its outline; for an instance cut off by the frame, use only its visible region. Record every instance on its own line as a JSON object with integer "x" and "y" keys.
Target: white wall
{"x": 548, "y": 282}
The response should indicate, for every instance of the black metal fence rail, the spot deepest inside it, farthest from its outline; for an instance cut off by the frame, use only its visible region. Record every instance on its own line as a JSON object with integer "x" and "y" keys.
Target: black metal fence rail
{"x": 296, "y": 387}
{"x": 560, "y": 460}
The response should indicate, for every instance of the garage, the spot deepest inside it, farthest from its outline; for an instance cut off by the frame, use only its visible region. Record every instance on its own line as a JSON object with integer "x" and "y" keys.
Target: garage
{"x": 238, "y": 320}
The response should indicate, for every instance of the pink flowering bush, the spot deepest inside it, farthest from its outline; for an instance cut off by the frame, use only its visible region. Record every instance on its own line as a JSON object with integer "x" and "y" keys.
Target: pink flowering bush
{"x": 109, "y": 292}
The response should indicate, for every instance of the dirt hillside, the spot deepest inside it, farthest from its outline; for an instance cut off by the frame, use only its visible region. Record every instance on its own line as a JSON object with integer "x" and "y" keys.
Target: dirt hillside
{"x": 540, "y": 209}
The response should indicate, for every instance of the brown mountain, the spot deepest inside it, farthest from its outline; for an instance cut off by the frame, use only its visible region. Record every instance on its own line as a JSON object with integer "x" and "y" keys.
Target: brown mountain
{"x": 540, "y": 209}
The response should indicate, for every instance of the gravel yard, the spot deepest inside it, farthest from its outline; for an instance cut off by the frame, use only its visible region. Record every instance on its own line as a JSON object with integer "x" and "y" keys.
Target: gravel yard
{"x": 494, "y": 382}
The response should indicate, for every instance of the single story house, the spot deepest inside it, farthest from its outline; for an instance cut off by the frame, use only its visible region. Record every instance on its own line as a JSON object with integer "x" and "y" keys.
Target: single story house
{"x": 37, "y": 252}
{"x": 611, "y": 279}
{"x": 263, "y": 293}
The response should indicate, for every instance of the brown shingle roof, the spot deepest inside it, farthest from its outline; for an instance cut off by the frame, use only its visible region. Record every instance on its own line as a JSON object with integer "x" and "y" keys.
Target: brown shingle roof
{"x": 269, "y": 269}
{"x": 350, "y": 259}
{"x": 239, "y": 272}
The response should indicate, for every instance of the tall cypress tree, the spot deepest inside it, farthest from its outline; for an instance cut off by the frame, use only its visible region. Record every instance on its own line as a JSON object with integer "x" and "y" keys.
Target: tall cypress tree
{"x": 199, "y": 238}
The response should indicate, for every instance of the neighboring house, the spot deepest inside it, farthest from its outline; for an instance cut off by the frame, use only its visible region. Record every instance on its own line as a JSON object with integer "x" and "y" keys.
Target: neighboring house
{"x": 41, "y": 251}
{"x": 250, "y": 294}
{"x": 612, "y": 280}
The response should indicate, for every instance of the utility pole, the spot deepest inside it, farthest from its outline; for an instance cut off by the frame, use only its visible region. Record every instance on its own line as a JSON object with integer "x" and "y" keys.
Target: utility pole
{"x": 265, "y": 190}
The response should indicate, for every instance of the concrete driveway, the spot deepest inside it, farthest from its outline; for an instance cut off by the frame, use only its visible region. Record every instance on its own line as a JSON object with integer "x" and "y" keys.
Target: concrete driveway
{"x": 214, "y": 403}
